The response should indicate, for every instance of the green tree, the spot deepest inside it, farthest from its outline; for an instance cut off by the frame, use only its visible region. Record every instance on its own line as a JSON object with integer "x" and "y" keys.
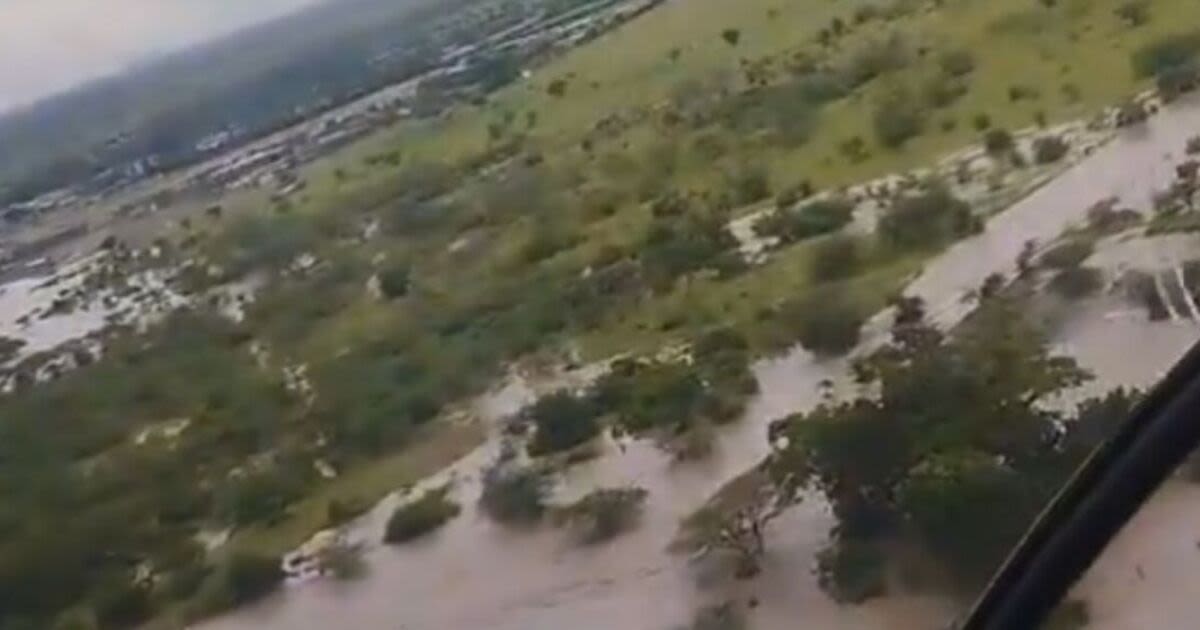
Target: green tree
{"x": 929, "y": 218}
{"x": 826, "y": 321}
{"x": 562, "y": 421}
{"x": 954, "y": 449}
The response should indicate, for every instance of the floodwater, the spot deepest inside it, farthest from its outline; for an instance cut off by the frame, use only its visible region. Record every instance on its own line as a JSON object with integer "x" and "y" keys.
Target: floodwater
{"x": 473, "y": 575}
{"x": 27, "y": 306}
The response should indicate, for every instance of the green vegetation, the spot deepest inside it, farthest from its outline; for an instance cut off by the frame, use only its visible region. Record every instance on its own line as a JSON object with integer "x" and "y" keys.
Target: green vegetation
{"x": 514, "y": 495}
{"x": 927, "y": 219}
{"x": 562, "y": 421}
{"x": 1048, "y": 149}
{"x": 604, "y": 514}
{"x": 814, "y": 219}
{"x": 420, "y": 517}
{"x": 955, "y": 455}
{"x": 596, "y": 221}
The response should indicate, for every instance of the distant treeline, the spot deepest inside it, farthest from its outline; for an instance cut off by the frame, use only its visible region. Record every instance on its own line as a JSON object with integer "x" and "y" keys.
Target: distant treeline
{"x": 256, "y": 81}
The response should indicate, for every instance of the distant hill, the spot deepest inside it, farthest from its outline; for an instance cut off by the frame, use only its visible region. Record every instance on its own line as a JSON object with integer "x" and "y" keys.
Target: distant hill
{"x": 255, "y": 80}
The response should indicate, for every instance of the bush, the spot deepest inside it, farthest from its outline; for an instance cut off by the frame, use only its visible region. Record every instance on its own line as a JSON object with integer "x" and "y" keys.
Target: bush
{"x": 1133, "y": 13}
{"x": 514, "y": 495}
{"x": 394, "y": 281}
{"x": 814, "y": 219}
{"x": 957, "y": 63}
{"x": 874, "y": 59}
{"x": 605, "y": 514}
{"x": 941, "y": 91}
{"x": 1176, "y": 80}
{"x": 927, "y": 219}
{"x": 1166, "y": 53}
{"x": 562, "y": 421}
{"x": 244, "y": 578}
{"x": 750, "y": 185}
{"x": 998, "y": 141}
{"x": 1076, "y": 282}
{"x": 420, "y": 517}
{"x": 826, "y": 321}
{"x": 1069, "y": 254}
{"x": 897, "y": 119}
{"x": 835, "y": 259}
{"x": 1049, "y": 149}
{"x": 792, "y": 195}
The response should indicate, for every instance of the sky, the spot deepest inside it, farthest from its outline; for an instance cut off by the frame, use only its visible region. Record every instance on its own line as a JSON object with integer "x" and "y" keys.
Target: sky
{"x": 47, "y": 46}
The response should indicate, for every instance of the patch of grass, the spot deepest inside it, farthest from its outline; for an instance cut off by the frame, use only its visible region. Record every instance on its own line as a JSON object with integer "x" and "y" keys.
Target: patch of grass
{"x": 439, "y": 445}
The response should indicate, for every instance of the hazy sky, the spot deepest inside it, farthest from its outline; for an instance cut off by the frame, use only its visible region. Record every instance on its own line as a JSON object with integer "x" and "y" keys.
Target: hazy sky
{"x": 47, "y": 46}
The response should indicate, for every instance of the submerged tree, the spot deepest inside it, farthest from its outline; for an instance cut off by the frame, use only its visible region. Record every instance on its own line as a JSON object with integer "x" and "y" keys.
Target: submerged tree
{"x": 735, "y": 521}
{"x": 951, "y": 448}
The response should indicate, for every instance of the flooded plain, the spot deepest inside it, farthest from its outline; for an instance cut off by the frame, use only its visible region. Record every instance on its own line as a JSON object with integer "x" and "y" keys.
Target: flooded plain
{"x": 472, "y": 574}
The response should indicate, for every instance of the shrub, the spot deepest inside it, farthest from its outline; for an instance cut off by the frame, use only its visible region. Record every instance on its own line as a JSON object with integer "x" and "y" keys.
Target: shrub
{"x": 941, "y": 91}
{"x": 874, "y": 59}
{"x": 750, "y": 184}
{"x": 562, "y": 421}
{"x": 792, "y": 195}
{"x": 243, "y": 578}
{"x": 731, "y": 36}
{"x": 557, "y": 88}
{"x": 1176, "y": 80}
{"x": 1076, "y": 282}
{"x": 837, "y": 258}
{"x": 998, "y": 141}
{"x": 1133, "y": 13}
{"x": 1049, "y": 149}
{"x": 813, "y": 219}
{"x": 1171, "y": 51}
{"x": 821, "y": 87}
{"x": 514, "y": 495}
{"x": 981, "y": 122}
{"x": 926, "y": 219}
{"x": 897, "y": 119}
{"x": 957, "y": 63}
{"x": 827, "y": 322}
{"x": 1069, "y": 254}
{"x": 394, "y": 281}
{"x": 420, "y": 517}
{"x": 605, "y": 514}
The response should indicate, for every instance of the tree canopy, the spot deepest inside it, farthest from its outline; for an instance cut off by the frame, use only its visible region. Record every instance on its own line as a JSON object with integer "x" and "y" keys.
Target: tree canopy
{"x": 953, "y": 452}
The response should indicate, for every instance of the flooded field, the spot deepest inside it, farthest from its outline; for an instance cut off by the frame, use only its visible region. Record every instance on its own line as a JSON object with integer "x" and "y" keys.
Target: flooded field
{"x": 473, "y": 574}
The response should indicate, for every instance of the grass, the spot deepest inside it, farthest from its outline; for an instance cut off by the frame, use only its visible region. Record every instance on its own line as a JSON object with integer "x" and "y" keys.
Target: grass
{"x": 630, "y": 70}
{"x": 443, "y": 443}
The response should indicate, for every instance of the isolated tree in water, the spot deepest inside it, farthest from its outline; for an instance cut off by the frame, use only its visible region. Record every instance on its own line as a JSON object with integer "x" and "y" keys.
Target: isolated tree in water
{"x": 951, "y": 449}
